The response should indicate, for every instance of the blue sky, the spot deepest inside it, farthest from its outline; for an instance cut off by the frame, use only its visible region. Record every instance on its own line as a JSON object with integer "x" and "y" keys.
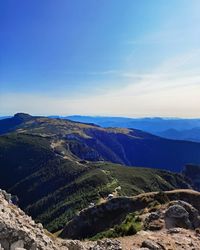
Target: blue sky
{"x": 100, "y": 57}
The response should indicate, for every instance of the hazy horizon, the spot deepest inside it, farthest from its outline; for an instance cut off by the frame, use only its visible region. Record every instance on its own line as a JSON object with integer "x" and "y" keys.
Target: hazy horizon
{"x": 104, "y": 116}
{"x": 100, "y": 58}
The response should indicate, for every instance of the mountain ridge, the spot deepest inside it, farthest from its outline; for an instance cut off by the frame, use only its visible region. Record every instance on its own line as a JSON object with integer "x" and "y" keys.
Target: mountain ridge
{"x": 119, "y": 145}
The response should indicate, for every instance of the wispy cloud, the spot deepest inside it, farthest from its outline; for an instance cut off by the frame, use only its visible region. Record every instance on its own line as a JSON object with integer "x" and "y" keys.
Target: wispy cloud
{"x": 105, "y": 72}
{"x": 168, "y": 91}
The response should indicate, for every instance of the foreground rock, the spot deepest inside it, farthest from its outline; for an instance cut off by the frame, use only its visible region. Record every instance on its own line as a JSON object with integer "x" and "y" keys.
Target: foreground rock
{"x": 149, "y": 244}
{"x": 182, "y": 214}
{"x": 107, "y": 245}
{"x": 19, "y": 231}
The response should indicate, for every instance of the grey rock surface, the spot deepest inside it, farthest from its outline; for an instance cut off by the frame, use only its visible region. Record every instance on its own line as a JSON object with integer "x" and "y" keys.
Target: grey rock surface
{"x": 151, "y": 245}
{"x": 19, "y": 231}
{"x": 182, "y": 214}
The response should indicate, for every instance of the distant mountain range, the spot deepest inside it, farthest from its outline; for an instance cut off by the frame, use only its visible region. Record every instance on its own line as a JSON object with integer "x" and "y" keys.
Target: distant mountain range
{"x": 187, "y": 135}
{"x": 178, "y": 129}
{"x": 152, "y": 125}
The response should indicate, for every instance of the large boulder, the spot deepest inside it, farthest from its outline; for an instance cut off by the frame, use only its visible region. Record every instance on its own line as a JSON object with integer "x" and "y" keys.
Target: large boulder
{"x": 177, "y": 216}
{"x": 194, "y": 216}
{"x": 151, "y": 245}
{"x": 181, "y": 214}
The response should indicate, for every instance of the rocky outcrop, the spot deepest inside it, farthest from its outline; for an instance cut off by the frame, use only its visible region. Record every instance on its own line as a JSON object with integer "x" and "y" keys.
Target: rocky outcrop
{"x": 107, "y": 244}
{"x": 154, "y": 222}
{"x": 177, "y": 216}
{"x": 19, "y": 231}
{"x": 182, "y": 214}
{"x": 173, "y": 215}
{"x": 151, "y": 245}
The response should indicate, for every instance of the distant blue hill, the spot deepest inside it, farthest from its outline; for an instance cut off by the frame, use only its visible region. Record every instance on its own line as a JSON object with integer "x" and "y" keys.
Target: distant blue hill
{"x": 4, "y": 117}
{"x": 147, "y": 124}
{"x": 181, "y": 129}
{"x": 188, "y": 135}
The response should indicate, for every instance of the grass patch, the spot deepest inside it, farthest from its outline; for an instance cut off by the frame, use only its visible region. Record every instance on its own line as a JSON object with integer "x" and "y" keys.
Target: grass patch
{"x": 130, "y": 226}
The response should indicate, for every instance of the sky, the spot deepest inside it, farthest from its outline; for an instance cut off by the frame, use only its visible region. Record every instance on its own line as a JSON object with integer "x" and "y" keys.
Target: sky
{"x": 100, "y": 57}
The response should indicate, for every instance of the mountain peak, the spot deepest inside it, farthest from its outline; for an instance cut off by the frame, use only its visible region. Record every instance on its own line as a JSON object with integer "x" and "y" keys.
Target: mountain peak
{"x": 23, "y": 116}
